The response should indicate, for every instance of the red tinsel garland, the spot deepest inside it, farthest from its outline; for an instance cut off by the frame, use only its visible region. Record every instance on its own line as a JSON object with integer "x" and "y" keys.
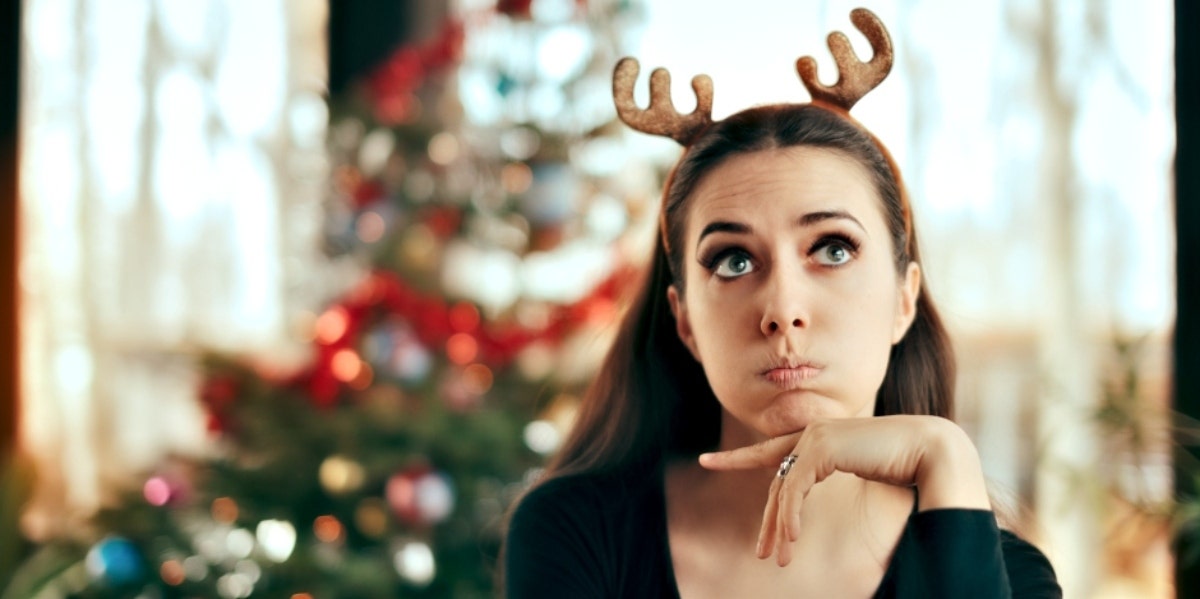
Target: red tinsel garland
{"x": 384, "y": 294}
{"x": 391, "y": 86}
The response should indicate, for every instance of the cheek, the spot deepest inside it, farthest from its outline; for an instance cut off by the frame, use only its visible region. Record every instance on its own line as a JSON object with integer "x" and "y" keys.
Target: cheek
{"x": 711, "y": 322}
{"x": 865, "y": 319}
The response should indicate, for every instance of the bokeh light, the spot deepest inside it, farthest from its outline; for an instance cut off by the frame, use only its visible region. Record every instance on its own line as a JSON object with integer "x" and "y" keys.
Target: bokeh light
{"x": 276, "y": 539}
{"x": 346, "y": 365}
{"x": 331, "y": 325}
{"x": 370, "y": 227}
{"x": 414, "y": 562}
{"x": 339, "y": 474}
{"x": 478, "y": 378}
{"x": 327, "y": 529}
{"x": 224, "y": 510}
{"x": 464, "y": 317}
{"x": 171, "y": 571}
{"x": 461, "y": 348}
{"x": 157, "y": 491}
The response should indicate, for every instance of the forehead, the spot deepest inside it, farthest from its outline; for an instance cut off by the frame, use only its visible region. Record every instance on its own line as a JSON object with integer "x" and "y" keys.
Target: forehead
{"x": 792, "y": 181}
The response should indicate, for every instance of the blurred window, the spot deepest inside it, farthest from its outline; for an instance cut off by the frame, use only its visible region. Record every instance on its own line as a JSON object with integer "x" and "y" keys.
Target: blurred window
{"x": 171, "y": 177}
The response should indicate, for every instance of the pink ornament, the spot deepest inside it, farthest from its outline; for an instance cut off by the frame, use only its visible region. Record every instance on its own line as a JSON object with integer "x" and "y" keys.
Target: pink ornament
{"x": 420, "y": 496}
{"x": 165, "y": 489}
{"x": 401, "y": 494}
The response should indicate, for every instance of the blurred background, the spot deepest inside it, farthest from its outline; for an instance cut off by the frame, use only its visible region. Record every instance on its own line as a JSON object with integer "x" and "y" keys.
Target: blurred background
{"x": 309, "y": 290}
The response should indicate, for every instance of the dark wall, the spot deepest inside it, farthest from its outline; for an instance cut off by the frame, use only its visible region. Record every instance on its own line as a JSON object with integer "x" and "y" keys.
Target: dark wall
{"x": 362, "y": 33}
{"x": 1187, "y": 260}
{"x": 10, "y": 22}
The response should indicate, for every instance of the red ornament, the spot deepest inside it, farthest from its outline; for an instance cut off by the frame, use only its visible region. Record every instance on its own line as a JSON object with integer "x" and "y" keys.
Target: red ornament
{"x": 366, "y": 194}
{"x": 217, "y": 395}
{"x": 443, "y": 221}
{"x": 464, "y": 317}
{"x": 401, "y": 494}
{"x": 215, "y": 424}
{"x": 218, "y": 391}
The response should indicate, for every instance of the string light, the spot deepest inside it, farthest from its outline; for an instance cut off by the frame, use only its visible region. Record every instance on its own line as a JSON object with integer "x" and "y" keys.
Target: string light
{"x": 224, "y": 510}
{"x": 346, "y": 365}
{"x": 370, "y": 227}
{"x": 414, "y": 562}
{"x": 157, "y": 491}
{"x": 516, "y": 177}
{"x": 478, "y": 378}
{"x": 276, "y": 539}
{"x": 331, "y": 325}
{"x": 327, "y": 528}
{"x": 461, "y": 348}
{"x": 371, "y": 517}
{"x": 340, "y": 475}
{"x": 172, "y": 572}
{"x": 240, "y": 543}
{"x": 443, "y": 148}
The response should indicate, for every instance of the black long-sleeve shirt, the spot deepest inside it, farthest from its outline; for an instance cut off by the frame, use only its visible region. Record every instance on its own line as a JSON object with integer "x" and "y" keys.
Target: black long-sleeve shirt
{"x": 604, "y": 536}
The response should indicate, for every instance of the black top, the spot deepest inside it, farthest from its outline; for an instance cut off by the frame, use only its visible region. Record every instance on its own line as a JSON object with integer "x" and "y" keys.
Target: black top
{"x": 593, "y": 536}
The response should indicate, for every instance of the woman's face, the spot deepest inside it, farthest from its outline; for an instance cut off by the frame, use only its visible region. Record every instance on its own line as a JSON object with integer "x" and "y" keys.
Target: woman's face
{"x": 792, "y": 300}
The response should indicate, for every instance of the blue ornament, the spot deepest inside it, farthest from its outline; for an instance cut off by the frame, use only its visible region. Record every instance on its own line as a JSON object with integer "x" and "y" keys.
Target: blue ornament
{"x": 115, "y": 560}
{"x": 505, "y": 85}
{"x": 394, "y": 348}
{"x": 551, "y": 198}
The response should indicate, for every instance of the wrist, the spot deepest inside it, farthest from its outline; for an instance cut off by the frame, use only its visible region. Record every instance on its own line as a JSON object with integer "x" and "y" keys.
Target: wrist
{"x": 950, "y": 474}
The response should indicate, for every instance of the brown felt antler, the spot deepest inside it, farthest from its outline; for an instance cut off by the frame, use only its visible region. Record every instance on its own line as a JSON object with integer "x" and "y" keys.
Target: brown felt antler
{"x": 661, "y": 118}
{"x": 855, "y": 78}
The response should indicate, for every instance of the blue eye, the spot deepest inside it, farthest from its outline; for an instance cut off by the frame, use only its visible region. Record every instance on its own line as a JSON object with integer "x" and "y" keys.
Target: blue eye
{"x": 834, "y": 253}
{"x": 733, "y": 265}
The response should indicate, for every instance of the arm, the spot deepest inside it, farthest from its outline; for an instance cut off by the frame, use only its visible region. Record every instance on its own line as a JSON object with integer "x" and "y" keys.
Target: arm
{"x": 949, "y": 553}
{"x": 961, "y": 553}
{"x": 951, "y": 547}
{"x": 1029, "y": 571}
{"x": 933, "y": 454}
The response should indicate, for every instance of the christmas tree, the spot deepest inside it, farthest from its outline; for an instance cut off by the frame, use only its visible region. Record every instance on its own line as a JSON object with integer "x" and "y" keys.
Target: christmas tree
{"x": 476, "y": 186}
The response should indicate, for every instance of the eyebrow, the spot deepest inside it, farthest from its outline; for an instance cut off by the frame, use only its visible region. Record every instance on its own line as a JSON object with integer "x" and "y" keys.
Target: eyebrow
{"x": 722, "y": 226}
{"x": 816, "y": 217}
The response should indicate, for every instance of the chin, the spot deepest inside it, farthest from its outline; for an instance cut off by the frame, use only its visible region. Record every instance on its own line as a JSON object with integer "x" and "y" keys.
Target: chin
{"x": 793, "y": 411}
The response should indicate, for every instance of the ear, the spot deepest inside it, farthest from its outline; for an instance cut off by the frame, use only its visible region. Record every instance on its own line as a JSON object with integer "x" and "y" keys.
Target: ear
{"x": 906, "y": 301}
{"x": 683, "y": 327}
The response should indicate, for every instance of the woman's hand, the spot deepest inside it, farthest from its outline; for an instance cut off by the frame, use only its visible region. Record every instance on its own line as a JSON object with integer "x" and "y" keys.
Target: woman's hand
{"x": 932, "y": 453}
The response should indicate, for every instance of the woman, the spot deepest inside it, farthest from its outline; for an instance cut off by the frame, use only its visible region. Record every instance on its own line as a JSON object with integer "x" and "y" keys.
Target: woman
{"x": 781, "y": 386}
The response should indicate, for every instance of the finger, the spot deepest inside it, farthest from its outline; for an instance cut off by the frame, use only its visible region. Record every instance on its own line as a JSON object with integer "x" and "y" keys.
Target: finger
{"x": 789, "y": 508}
{"x": 784, "y": 555}
{"x": 759, "y": 455}
{"x": 766, "y": 533}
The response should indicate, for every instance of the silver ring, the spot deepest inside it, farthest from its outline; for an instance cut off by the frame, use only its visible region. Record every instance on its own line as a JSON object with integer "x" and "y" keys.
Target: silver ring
{"x": 786, "y": 465}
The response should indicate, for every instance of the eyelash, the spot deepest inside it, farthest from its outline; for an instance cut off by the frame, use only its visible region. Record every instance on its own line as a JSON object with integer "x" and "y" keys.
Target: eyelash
{"x": 851, "y": 244}
{"x": 712, "y": 258}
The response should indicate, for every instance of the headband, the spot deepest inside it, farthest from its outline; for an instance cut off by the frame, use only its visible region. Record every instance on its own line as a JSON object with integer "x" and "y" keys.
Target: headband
{"x": 855, "y": 79}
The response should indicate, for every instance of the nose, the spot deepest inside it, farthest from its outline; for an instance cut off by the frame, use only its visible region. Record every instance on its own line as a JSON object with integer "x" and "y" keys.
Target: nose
{"x": 784, "y": 307}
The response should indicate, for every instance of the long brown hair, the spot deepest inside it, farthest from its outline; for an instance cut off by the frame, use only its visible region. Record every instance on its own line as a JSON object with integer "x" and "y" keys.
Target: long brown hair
{"x": 650, "y": 399}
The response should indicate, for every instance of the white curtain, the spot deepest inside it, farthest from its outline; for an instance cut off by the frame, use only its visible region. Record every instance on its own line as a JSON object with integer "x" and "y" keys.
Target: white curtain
{"x": 171, "y": 177}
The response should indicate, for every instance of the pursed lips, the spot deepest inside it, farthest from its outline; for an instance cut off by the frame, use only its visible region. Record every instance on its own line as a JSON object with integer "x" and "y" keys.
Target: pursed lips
{"x": 791, "y": 376}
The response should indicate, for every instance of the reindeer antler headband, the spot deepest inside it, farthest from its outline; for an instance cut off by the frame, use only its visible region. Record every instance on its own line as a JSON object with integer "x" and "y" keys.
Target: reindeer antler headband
{"x": 855, "y": 79}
